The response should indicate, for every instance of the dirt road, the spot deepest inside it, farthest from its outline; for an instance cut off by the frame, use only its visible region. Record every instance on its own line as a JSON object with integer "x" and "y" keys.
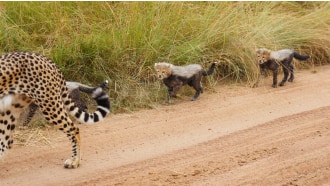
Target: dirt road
{"x": 235, "y": 136}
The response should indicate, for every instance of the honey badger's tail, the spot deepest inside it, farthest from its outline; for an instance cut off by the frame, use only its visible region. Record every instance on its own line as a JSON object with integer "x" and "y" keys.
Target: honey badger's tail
{"x": 103, "y": 106}
{"x": 210, "y": 70}
{"x": 300, "y": 57}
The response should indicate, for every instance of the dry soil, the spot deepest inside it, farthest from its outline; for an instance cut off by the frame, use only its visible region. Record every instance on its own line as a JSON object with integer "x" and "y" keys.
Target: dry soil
{"x": 236, "y": 135}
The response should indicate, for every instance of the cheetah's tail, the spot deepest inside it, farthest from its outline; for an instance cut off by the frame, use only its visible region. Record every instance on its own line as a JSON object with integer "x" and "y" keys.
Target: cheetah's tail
{"x": 300, "y": 57}
{"x": 103, "y": 106}
{"x": 210, "y": 70}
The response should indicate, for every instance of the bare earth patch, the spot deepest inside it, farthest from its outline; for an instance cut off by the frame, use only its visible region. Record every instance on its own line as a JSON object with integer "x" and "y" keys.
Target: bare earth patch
{"x": 235, "y": 136}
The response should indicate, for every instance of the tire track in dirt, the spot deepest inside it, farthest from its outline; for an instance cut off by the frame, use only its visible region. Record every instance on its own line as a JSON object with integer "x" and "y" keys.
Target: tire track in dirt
{"x": 230, "y": 153}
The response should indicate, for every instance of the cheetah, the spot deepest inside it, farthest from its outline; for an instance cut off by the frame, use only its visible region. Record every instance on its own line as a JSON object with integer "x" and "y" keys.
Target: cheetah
{"x": 27, "y": 77}
{"x": 174, "y": 77}
{"x": 268, "y": 59}
{"x": 74, "y": 89}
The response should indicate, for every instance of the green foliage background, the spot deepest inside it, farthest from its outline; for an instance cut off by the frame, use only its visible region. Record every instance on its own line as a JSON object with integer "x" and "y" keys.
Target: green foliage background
{"x": 121, "y": 41}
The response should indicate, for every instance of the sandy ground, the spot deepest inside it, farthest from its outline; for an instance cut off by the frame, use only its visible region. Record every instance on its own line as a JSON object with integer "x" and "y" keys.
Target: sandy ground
{"x": 234, "y": 136}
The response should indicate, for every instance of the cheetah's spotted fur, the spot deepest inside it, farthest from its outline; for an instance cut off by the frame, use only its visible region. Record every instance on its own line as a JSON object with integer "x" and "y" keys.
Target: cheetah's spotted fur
{"x": 27, "y": 77}
{"x": 74, "y": 89}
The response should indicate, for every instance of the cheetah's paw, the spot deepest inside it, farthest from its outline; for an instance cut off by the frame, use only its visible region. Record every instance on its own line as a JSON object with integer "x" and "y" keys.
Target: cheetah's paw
{"x": 71, "y": 163}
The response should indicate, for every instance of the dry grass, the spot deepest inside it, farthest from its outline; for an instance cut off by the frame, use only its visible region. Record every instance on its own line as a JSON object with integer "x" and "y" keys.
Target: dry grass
{"x": 36, "y": 136}
{"x": 37, "y": 133}
{"x": 120, "y": 41}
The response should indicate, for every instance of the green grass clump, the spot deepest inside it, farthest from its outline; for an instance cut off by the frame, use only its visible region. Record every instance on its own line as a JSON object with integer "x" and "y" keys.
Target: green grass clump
{"x": 121, "y": 41}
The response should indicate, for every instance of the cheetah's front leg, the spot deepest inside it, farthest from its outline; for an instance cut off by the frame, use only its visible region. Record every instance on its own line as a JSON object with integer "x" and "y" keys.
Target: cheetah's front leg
{"x": 62, "y": 121}
{"x": 73, "y": 134}
{"x": 275, "y": 78}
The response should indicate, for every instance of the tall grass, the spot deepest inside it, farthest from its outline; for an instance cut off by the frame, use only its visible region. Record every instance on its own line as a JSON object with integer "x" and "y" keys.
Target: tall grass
{"x": 120, "y": 41}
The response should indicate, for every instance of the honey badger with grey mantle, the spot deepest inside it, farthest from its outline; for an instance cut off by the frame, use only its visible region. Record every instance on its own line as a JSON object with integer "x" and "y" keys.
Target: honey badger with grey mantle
{"x": 174, "y": 77}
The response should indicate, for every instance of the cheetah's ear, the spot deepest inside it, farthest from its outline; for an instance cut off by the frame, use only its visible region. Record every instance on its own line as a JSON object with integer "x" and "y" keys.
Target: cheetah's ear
{"x": 169, "y": 64}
